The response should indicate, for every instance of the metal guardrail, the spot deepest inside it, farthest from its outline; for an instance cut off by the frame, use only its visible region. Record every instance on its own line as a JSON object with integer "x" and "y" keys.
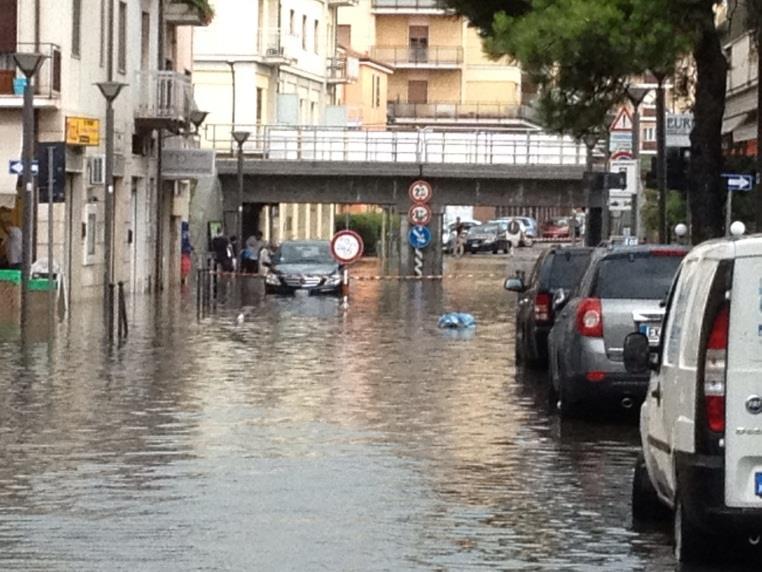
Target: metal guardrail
{"x": 408, "y": 4}
{"x": 458, "y": 111}
{"x": 312, "y": 143}
{"x": 163, "y": 95}
{"x": 418, "y": 56}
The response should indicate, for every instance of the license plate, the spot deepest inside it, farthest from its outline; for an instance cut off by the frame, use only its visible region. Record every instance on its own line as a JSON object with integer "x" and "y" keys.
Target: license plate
{"x": 758, "y": 484}
{"x": 653, "y": 333}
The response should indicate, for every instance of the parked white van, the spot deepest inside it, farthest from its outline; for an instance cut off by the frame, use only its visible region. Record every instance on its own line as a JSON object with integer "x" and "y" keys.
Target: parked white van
{"x": 701, "y": 422}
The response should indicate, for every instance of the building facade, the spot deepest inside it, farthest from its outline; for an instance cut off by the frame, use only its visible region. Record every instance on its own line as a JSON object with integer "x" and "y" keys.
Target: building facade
{"x": 152, "y": 111}
{"x": 442, "y": 77}
{"x": 272, "y": 63}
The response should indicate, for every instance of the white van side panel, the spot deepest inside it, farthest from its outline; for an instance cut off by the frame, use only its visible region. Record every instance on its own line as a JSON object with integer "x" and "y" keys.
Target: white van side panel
{"x": 743, "y": 433}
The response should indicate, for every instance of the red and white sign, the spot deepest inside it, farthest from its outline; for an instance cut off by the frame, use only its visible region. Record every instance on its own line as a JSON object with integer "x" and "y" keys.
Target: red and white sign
{"x": 621, "y": 156}
{"x": 623, "y": 121}
{"x": 420, "y": 192}
{"x": 419, "y": 215}
{"x": 347, "y": 246}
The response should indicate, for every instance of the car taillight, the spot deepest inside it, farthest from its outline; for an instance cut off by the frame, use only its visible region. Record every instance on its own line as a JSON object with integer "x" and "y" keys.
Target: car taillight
{"x": 715, "y": 370}
{"x": 590, "y": 318}
{"x": 542, "y": 303}
{"x": 668, "y": 252}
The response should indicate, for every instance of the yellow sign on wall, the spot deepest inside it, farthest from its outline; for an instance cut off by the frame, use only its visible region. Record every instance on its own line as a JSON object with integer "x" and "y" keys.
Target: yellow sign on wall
{"x": 83, "y": 131}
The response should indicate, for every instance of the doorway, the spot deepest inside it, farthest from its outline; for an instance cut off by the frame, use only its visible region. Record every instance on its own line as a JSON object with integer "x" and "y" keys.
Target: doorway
{"x": 419, "y": 44}
{"x": 417, "y": 91}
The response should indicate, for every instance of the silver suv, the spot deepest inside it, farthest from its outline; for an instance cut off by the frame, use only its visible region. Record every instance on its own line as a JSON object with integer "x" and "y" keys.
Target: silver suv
{"x": 621, "y": 292}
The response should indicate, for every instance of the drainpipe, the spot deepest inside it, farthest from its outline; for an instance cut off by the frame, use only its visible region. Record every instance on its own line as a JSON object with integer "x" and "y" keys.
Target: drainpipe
{"x": 159, "y": 247}
{"x": 231, "y": 63}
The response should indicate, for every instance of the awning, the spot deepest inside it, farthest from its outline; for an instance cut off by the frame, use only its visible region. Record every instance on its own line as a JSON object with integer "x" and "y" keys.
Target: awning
{"x": 746, "y": 132}
{"x": 8, "y": 191}
{"x": 730, "y": 124}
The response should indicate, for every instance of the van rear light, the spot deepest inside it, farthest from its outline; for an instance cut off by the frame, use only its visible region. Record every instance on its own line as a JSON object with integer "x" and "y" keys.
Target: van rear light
{"x": 542, "y": 303}
{"x": 595, "y": 376}
{"x": 590, "y": 318}
{"x": 715, "y": 370}
{"x": 668, "y": 252}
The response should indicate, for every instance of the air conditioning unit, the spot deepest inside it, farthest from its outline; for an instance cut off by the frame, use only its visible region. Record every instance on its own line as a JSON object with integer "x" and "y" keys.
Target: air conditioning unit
{"x": 96, "y": 170}
{"x": 274, "y": 52}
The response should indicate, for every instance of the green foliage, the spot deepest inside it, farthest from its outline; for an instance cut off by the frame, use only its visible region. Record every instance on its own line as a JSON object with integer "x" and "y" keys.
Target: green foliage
{"x": 367, "y": 225}
{"x": 677, "y": 211}
{"x": 204, "y": 7}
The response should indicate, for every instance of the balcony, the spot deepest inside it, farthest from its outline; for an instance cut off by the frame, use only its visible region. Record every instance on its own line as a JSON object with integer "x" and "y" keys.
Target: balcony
{"x": 188, "y": 13}
{"x": 342, "y": 3}
{"x": 343, "y": 69}
{"x": 164, "y": 100}
{"x": 272, "y": 50}
{"x": 47, "y": 82}
{"x": 431, "y": 57}
{"x": 408, "y": 7}
{"x": 467, "y": 113}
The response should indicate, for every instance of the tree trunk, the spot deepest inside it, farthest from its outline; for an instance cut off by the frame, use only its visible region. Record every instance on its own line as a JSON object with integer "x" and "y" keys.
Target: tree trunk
{"x": 707, "y": 198}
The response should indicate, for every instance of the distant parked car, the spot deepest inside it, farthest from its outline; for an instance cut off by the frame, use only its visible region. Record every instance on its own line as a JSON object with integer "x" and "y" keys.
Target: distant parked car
{"x": 519, "y": 231}
{"x": 620, "y": 293}
{"x": 490, "y": 237}
{"x": 557, "y": 228}
{"x": 448, "y": 242}
{"x": 303, "y": 265}
{"x": 553, "y": 279}
{"x": 531, "y": 225}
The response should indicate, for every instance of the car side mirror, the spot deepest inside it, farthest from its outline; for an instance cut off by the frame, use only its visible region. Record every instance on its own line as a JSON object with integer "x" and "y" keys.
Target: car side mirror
{"x": 560, "y": 299}
{"x": 515, "y": 284}
{"x": 637, "y": 353}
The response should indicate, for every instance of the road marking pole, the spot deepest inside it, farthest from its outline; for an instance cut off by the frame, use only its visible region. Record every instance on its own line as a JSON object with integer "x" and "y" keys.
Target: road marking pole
{"x": 418, "y": 262}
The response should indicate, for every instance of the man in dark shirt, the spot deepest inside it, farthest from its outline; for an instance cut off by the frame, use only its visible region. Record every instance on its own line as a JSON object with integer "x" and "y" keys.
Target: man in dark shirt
{"x": 221, "y": 248}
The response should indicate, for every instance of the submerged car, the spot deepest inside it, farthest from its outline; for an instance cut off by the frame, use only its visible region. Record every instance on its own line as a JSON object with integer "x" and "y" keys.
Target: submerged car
{"x": 620, "y": 293}
{"x": 304, "y": 265}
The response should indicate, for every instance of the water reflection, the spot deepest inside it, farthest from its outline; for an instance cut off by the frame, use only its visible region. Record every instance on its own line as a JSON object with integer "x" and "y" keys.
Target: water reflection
{"x": 308, "y": 437}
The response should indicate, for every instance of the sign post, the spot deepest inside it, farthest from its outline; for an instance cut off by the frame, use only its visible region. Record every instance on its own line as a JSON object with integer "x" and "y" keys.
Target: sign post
{"x": 347, "y": 247}
{"x": 419, "y": 215}
{"x": 735, "y": 183}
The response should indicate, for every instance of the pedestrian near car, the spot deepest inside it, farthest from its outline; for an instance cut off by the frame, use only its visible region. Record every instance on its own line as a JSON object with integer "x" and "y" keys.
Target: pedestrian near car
{"x": 13, "y": 244}
{"x": 221, "y": 248}
{"x": 251, "y": 254}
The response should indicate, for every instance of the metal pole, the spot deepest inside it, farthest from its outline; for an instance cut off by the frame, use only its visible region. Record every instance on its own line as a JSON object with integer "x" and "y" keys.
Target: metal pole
{"x": 108, "y": 275}
{"x": 29, "y": 206}
{"x": 240, "y": 198}
{"x": 728, "y": 212}
{"x": 635, "y": 211}
{"x": 51, "y": 299}
{"x": 661, "y": 161}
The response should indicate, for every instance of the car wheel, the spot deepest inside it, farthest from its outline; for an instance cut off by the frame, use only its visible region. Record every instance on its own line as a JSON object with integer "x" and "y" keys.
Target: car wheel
{"x": 646, "y": 506}
{"x": 568, "y": 406}
{"x": 690, "y": 542}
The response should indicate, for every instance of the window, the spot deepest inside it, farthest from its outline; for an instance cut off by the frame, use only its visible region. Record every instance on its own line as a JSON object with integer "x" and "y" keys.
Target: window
{"x": 260, "y": 103}
{"x": 304, "y": 32}
{"x": 316, "y": 37}
{"x": 377, "y": 95}
{"x": 76, "y": 28}
{"x": 90, "y": 232}
{"x": 417, "y": 91}
{"x": 344, "y": 35}
{"x": 292, "y": 23}
{"x": 313, "y": 113}
{"x": 122, "y": 37}
{"x": 145, "y": 38}
{"x": 649, "y": 134}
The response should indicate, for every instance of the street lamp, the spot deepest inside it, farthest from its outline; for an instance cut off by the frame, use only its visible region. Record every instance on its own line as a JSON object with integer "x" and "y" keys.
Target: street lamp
{"x": 636, "y": 95}
{"x": 110, "y": 91}
{"x": 28, "y": 63}
{"x": 240, "y": 137}
{"x": 197, "y": 117}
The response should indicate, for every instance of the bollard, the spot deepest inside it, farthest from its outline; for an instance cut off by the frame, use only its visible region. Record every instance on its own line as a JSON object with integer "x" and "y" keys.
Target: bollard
{"x": 345, "y": 289}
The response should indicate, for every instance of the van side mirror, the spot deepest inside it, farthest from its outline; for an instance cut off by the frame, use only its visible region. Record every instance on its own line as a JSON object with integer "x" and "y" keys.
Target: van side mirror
{"x": 515, "y": 284}
{"x": 637, "y": 353}
{"x": 560, "y": 299}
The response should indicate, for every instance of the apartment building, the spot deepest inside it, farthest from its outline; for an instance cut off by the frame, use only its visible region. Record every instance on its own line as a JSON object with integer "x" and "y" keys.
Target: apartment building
{"x": 441, "y": 76}
{"x": 153, "y": 110}
{"x": 267, "y": 63}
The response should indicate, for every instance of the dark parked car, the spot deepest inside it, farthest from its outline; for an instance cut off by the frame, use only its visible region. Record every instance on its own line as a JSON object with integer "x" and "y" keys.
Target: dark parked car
{"x": 492, "y": 237}
{"x": 621, "y": 292}
{"x": 554, "y": 277}
{"x": 303, "y": 265}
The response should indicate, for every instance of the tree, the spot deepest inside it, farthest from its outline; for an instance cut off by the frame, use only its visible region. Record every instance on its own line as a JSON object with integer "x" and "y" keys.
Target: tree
{"x": 582, "y": 53}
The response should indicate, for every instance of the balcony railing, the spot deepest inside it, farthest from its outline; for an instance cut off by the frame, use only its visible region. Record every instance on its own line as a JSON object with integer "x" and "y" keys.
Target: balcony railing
{"x": 272, "y": 48}
{"x": 420, "y": 57}
{"x": 479, "y": 112}
{"x": 408, "y": 5}
{"x": 47, "y": 81}
{"x": 343, "y": 69}
{"x": 164, "y": 98}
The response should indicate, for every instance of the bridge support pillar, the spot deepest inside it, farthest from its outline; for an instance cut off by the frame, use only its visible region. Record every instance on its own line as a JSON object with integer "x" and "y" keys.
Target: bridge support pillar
{"x": 433, "y": 258}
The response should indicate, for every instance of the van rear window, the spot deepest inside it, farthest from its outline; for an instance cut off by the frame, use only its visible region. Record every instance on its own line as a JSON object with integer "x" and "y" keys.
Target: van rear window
{"x": 636, "y": 277}
{"x": 566, "y": 269}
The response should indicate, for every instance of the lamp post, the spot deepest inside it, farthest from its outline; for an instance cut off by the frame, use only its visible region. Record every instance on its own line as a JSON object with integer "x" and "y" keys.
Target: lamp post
{"x": 110, "y": 91}
{"x": 28, "y": 63}
{"x": 197, "y": 117}
{"x": 661, "y": 155}
{"x": 636, "y": 95}
{"x": 240, "y": 137}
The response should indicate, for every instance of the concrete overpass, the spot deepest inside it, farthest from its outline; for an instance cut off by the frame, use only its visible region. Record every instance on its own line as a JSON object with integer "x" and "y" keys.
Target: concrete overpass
{"x": 350, "y": 166}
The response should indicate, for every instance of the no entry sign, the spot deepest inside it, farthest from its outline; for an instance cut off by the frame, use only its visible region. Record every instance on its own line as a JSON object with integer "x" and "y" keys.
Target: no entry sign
{"x": 347, "y": 247}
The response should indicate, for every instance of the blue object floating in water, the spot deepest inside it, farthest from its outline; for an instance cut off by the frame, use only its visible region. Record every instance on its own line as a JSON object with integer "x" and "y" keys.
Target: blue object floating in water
{"x": 456, "y": 321}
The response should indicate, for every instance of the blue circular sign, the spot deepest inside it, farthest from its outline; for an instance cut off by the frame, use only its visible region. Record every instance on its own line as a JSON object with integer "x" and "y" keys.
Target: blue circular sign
{"x": 419, "y": 237}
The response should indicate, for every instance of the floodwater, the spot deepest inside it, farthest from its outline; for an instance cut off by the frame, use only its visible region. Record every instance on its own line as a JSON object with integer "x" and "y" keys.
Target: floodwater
{"x": 308, "y": 437}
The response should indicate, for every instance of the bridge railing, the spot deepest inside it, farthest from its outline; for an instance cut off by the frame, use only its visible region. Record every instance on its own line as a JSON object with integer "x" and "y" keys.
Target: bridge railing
{"x": 423, "y": 146}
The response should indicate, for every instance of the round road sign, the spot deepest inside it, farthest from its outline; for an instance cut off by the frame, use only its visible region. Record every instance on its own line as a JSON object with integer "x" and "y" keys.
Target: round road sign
{"x": 419, "y": 237}
{"x": 420, "y": 192}
{"x": 347, "y": 246}
{"x": 419, "y": 215}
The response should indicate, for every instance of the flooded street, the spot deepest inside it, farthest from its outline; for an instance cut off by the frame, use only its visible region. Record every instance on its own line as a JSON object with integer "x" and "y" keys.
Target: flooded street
{"x": 309, "y": 438}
